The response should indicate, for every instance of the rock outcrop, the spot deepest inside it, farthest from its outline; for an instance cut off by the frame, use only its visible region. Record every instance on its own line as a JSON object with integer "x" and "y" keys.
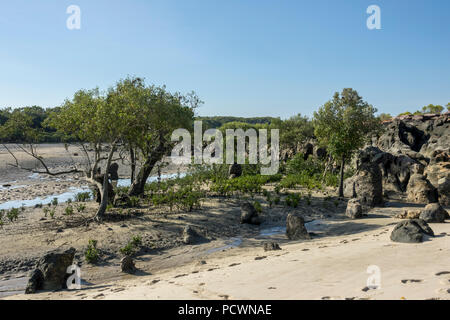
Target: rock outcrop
{"x": 50, "y": 272}
{"x": 295, "y": 227}
{"x": 420, "y": 190}
{"x": 366, "y": 185}
{"x": 354, "y": 209}
{"x": 416, "y": 144}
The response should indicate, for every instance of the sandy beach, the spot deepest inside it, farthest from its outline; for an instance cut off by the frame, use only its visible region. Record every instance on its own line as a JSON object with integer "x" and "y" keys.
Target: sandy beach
{"x": 230, "y": 263}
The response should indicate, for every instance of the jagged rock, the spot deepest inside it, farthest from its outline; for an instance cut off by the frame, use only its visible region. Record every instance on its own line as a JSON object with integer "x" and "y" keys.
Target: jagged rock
{"x": 235, "y": 170}
{"x": 434, "y": 212}
{"x": 50, "y": 273}
{"x": 411, "y": 231}
{"x": 295, "y": 227}
{"x": 421, "y": 140}
{"x": 408, "y": 214}
{"x": 127, "y": 265}
{"x": 35, "y": 282}
{"x": 366, "y": 185}
{"x": 271, "y": 246}
{"x": 420, "y": 190}
{"x": 249, "y": 214}
{"x": 354, "y": 209}
{"x": 444, "y": 190}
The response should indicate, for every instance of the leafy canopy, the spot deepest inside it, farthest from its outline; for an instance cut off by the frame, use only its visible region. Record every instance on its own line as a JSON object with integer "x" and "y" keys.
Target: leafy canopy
{"x": 344, "y": 123}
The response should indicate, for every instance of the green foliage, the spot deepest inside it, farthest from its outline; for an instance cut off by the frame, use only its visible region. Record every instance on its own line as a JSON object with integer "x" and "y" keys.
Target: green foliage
{"x": 295, "y": 130}
{"x": 83, "y": 196}
{"x": 2, "y": 214}
{"x": 92, "y": 254}
{"x": 26, "y": 125}
{"x": 219, "y": 121}
{"x": 244, "y": 184}
{"x": 69, "y": 210}
{"x": 257, "y": 206}
{"x": 345, "y": 123}
{"x": 81, "y": 207}
{"x": 292, "y": 200}
{"x": 54, "y": 202}
{"x": 132, "y": 246}
{"x": 134, "y": 201}
{"x": 184, "y": 198}
{"x": 12, "y": 214}
{"x": 431, "y": 108}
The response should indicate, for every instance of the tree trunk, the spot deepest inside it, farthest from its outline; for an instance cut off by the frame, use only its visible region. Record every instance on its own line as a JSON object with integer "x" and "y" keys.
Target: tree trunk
{"x": 138, "y": 185}
{"x": 341, "y": 183}
{"x": 104, "y": 190}
{"x": 133, "y": 164}
{"x": 328, "y": 164}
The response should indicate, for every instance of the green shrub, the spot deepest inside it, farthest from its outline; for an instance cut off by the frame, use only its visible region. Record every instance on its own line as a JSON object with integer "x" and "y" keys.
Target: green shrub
{"x": 13, "y": 214}
{"x": 92, "y": 254}
{"x": 2, "y": 213}
{"x": 83, "y": 197}
{"x": 55, "y": 202}
{"x": 132, "y": 246}
{"x": 69, "y": 210}
{"x": 81, "y": 207}
{"x": 292, "y": 200}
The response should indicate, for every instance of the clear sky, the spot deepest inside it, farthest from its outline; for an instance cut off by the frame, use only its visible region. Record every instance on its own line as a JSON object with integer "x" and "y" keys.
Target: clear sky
{"x": 242, "y": 57}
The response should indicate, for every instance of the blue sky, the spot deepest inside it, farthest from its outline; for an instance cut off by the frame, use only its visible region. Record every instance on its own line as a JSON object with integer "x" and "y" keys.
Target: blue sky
{"x": 242, "y": 57}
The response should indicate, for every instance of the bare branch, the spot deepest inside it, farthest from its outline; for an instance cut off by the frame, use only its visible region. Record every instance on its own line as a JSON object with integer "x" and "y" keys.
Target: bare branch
{"x": 33, "y": 154}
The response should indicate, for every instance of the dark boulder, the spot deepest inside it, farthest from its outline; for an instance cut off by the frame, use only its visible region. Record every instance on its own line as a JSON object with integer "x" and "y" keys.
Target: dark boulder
{"x": 127, "y": 265}
{"x": 249, "y": 214}
{"x": 295, "y": 227}
{"x": 35, "y": 282}
{"x": 235, "y": 170}
{"x": 411, "y": 231}
{"x": 366, "y": 185}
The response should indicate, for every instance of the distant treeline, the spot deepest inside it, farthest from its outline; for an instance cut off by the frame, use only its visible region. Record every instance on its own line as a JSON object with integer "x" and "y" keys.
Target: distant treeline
{"x": 28, "y": 124}
{"x": 219, "y": 121}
